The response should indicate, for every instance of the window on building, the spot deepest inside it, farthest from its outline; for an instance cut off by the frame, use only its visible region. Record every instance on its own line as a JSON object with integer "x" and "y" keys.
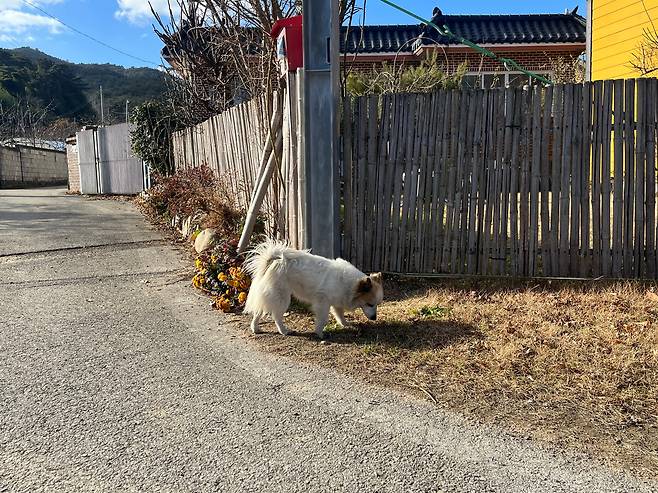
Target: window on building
{"x": 489, "y": 80}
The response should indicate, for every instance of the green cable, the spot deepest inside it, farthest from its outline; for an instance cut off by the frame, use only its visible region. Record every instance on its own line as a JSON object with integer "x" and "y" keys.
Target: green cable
{"x": 507, "y": 62}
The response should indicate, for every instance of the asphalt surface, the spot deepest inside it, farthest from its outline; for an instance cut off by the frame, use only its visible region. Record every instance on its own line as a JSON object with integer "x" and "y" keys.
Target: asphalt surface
{"x": 115, "y": 376}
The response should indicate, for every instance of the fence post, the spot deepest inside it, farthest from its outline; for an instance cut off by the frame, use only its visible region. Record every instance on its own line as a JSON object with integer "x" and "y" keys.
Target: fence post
{"x": 320, "y": 31}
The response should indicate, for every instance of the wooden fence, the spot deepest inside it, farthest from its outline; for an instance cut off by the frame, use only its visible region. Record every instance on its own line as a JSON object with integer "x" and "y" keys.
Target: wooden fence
{"x": 232, "y": 144}
{"x": 556, "y": 181}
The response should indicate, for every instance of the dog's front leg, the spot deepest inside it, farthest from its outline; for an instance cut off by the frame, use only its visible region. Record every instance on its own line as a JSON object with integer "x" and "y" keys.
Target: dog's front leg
{"x": 321, "y": 317}
{"x": 339, "y": 315}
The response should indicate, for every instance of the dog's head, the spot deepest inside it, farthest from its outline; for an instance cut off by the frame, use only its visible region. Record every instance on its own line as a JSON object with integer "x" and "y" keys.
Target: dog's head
{"x": 369, "y": 294}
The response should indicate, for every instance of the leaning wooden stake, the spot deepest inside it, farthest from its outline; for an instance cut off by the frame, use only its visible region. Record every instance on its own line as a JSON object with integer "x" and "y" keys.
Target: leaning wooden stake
{"x": 260, "y": 190}
{"x": 275, "y": 126}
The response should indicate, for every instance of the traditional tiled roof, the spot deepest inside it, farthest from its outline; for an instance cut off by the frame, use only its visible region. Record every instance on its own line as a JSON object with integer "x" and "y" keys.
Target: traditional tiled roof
{"x": 481, "y": 29}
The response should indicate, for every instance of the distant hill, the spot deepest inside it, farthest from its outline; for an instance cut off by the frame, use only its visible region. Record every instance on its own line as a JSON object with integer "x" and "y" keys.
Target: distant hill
{"x": 72, "y": 90}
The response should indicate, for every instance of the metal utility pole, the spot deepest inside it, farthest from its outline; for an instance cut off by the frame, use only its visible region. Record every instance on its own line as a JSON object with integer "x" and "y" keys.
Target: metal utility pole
{"x": 127, "y": 101}
{"x": 321, "y": 81}
{"x": 102, "y": 113}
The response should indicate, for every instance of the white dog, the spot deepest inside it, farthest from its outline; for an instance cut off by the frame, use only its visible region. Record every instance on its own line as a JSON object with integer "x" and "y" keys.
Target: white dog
{"x": 279, "y": 271}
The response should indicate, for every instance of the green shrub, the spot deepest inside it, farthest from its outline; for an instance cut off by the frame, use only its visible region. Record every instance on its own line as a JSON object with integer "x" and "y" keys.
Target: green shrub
{"x": 427, "y": 77}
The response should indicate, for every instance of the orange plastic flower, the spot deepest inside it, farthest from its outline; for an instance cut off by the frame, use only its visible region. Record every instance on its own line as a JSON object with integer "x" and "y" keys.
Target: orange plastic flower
{"x": 242, "y": 297}
{"x": 224, "y": 304}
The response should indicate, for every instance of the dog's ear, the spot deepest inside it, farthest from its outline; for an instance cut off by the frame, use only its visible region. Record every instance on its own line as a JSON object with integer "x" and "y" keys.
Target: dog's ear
{"x": 364, "y": 286}
{"x": 376, "y": 277}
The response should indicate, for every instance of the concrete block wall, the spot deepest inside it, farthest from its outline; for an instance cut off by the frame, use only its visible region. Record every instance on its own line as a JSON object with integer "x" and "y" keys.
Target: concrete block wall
{"x": 22, "y": 166}
{"x": 73, "y": 164}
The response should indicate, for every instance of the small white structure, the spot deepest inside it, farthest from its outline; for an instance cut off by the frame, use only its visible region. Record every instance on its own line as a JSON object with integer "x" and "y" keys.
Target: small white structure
{"x": 105, "y": 162}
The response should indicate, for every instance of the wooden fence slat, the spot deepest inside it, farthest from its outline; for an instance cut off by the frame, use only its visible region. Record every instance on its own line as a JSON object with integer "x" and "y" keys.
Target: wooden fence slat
{"x": 476, "y": 166}
{"x": 617, "y": 193}
{"x": 566, "y": 175}
{"x": 498, "y": 182}
{"x": 585, "y": 254}
{"x": 361, "y": 179}
{"x": 535, "y": 173}
{"x": 629, "y": 179}
{"x": 388, "y": 113}
{"x": 455, "y": 112}
{"x": 598, "y": 120}
{"x": 404, "y": 177}
{"x": 394, "y": 181}
{"x": 517, "y": 111}
{"x": 411, "y": 187}
{"x": 524, "y": 195}
{"x": 387, "y": 191}
{"x": 464, "y": 174}
{"x": 507, "y": 161}
{"x": 606, "y": 260}
{"x": 418, "y": 195}
{"x": 489, "y": 160}
{"x": 370, "y": 185}
{"x": 652, "y": 88}
{"x": 426, "y": 237}
{"x": 466, "y": 122}
{"x": 347, "y": 179}
{"x": 576, "y": 182}
{"x": 436, "y": 213}
{"x": 441, "y": 219}
{"x": 640, "y": 166}
{"x": 545, "y": 182}
{"x": 558, "y": 102}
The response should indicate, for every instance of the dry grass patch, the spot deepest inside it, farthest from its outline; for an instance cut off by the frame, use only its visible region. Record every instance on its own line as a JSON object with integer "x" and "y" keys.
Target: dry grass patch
{"x": 572, "y": 363}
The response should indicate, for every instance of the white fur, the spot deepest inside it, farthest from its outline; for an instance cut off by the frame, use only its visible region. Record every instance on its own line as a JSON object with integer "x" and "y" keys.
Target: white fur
{"x": 279, "y": 271}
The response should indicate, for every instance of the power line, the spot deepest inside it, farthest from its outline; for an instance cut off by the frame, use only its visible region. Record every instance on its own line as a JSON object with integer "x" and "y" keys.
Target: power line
{"x": 27, "y": 2}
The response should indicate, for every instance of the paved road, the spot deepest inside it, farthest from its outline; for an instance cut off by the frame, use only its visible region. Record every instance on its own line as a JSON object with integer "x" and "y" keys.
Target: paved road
{"x": 115, "y": 376}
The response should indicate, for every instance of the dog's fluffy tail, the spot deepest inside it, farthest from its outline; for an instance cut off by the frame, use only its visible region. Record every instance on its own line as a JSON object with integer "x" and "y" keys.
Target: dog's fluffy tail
{"x": 266, "y": 264}
{"x": 261, "y": 257}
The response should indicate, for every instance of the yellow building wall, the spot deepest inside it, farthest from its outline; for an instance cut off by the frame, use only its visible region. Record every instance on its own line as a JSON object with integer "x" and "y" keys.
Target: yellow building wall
{"x": 617, "y": 32}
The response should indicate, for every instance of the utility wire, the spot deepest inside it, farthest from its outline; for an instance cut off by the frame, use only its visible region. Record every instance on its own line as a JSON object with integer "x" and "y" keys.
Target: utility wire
{"x": 27, "y": 2}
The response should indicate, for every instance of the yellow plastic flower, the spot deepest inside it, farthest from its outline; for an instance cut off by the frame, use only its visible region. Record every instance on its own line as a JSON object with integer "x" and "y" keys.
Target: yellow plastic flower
{"x": 222, "y": 277}
{"x": 242, "y": 297}
{"x": 198, "y": 264}
{"x": 198, "y": 281}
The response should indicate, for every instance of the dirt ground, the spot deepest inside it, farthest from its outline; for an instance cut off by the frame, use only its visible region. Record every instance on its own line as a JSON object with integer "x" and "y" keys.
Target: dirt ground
{"x": 571, "y": 363}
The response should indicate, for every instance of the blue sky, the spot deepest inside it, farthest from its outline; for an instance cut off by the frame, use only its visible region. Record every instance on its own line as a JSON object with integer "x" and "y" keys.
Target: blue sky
{"x": 126, "y": 24}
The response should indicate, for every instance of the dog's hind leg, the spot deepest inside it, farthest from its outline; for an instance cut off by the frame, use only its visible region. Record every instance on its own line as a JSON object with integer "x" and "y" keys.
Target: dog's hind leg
{"x": 339, "y": 315}
{"x": 321, "y": 317}
{"x": 281, "y": 327}
{"x": 255, "y": 325}
{"x": 278, "y": 304}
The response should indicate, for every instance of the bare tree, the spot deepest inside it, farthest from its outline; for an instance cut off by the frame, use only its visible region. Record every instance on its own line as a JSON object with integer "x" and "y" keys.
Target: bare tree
{"x": 645, "y": 57}
{"x": 21, "y": 120}
{"x": 221, "y": 51}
